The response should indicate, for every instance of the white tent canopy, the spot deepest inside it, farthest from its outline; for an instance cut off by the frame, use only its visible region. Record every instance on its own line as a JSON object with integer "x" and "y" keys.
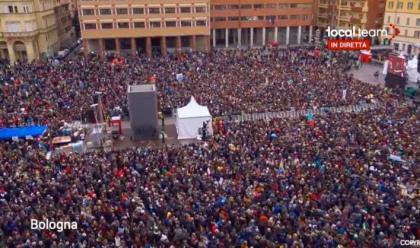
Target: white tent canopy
{"x": 413, "y": 74}
{"x": 190, "y": 119}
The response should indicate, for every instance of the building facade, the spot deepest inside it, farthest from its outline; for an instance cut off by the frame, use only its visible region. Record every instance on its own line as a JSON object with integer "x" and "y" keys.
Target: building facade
{"x": 405, "y": 15}
{"x": 32, "y": 29}
{"x": 254, "y": 23}
{"x": 365, "y": 14}
{"x": 132, "y": 27}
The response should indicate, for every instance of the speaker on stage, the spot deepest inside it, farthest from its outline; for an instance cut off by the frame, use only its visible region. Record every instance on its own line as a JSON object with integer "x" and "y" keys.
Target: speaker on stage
{"x": 142, "y": 105}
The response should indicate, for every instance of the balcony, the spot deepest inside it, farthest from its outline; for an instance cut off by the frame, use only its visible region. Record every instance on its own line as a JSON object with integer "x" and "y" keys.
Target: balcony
{"x": 20, "y": 34}
{"x": 345, "y": 6}
{"x": 323, "y": 15}
{"x": 345, "y": 18}
{"x": 28, "y": 33}
{"x": 356, "y": 19}
{"x": 323, "y": 23}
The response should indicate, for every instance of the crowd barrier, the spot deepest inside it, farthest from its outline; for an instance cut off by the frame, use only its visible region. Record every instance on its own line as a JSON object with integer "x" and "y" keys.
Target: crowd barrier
{"x": 299, "y": 113}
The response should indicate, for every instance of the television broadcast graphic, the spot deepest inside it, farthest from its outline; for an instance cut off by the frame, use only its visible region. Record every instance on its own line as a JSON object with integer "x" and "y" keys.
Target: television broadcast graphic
{"x": 206, "y": 123}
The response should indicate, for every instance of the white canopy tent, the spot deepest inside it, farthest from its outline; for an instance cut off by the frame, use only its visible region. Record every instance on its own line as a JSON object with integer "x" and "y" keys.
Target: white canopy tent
{"x": 190, "y": 118}
{"x": 413, "y": 74}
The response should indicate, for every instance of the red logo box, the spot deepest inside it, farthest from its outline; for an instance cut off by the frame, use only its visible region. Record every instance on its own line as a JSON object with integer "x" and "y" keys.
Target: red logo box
{"x": 348, "y": 45}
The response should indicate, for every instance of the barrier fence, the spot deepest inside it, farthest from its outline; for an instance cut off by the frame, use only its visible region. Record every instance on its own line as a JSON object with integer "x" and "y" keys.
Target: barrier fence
{"x": 299, "y": 113}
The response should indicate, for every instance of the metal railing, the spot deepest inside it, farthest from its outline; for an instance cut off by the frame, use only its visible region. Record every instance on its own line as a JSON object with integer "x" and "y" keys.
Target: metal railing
{"x": 300, "y": 113}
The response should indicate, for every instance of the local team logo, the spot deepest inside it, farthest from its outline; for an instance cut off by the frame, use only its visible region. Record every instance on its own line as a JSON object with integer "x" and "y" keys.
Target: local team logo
{"x": 396, "y": 31}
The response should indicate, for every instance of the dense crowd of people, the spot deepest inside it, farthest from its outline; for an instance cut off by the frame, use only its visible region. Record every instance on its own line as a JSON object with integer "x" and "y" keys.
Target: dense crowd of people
{"x": 339, "y": 180}
{"x": 246, "y": 81}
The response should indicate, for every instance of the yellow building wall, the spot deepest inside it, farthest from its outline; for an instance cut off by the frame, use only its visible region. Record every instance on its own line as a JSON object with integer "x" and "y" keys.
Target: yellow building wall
{"x": 32, "y": 23}
{"x": 405, "y": 14}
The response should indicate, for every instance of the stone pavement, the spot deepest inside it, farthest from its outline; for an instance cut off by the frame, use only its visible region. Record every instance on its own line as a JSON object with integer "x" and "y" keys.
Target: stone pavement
{"x": 365, "y": 74}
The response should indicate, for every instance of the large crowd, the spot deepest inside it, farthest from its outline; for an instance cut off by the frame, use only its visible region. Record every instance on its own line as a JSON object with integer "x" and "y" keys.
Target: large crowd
{"x": 348, "y": 179}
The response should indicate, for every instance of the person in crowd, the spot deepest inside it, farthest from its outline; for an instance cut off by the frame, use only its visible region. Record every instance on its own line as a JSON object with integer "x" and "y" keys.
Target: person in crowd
{"x": 338, "y": 180}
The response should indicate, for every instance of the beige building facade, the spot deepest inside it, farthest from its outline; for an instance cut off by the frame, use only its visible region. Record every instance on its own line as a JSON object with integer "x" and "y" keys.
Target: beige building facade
{"x": 258, "y": 23}
{"x": 126, "y": 27}
{"x": 162, "y": 26}
{"x": 33, "y": 29}
{"x": 405, "y": 15}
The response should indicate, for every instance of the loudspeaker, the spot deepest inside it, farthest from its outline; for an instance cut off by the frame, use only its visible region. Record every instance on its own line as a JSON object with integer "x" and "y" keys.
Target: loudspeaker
{"x": 142, "y": 106}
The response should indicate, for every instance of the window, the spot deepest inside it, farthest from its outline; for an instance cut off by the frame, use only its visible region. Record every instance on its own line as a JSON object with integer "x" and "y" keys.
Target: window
{"x": 12, "y": 9}
{"x": 304, "y": 5}
{"x": 13, "y": 26}
{"x": 389, "y": 19}
{"x": 258, "y": 6}
{"x": 400, "y": 5}
{"x": 107, "y": 25}
{"x": 293, "y": 5}
{"x": 123, "y": 25}
{"x": 185, "y": 9}
{"x": 390, "y": 5}
{"x": 271, "y": 6}
{"x": 220, "y": 7}
{"x": 398, "y": 20}
{"x": 246, "y": 6}
{"x": 408, "y": 21}
{"x": 418, "y": 22}
{"x": 155, "y": 24}
{"x": 138, "y": 11}
{"x": 410, "y": 5}
{"x": 219, "y": 19}
{"x": 200, "y": 23}
{"x": 417, "y": 34}
{"x": 305, "y": 17}
{"x": 139, "y": 25}
{"x": 30, "y": 25}
{"x": 170, "y": 24}
{"x": 186, "y": 23}
{"x": 233, "y": 18}
{"x": 89, "y": 26}
{"x": 283, "y": 5}
{"x": 87, "y": 12}
{"x": 233, "y": 6}
{"x": 283, "y": 17}
{"x": 170, "y": 10}
{"x": 200, "y": 9}
{"x": 122, "y": 11}
{"x": 154, "y": 11}
{"x": 294, "y": 17}
{"x": 25, "y": 8}
{"x": 105, "y": 11}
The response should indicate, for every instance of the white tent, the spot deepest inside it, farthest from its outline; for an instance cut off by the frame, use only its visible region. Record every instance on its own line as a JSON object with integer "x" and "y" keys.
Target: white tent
{"x": 190, "y": 118}
{"x": 413, "y": 74}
